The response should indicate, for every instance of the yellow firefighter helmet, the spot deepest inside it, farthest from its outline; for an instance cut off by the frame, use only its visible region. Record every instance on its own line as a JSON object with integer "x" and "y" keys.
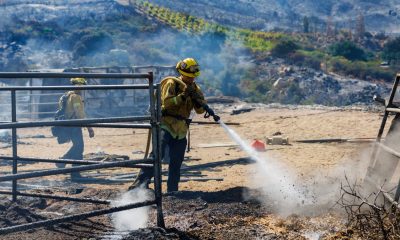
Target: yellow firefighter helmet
{"x": 188, "y": 67}
{"x": 78, "y": 81}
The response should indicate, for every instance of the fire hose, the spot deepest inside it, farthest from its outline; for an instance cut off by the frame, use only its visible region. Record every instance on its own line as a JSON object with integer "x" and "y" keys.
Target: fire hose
{"x": 210, "y": 112}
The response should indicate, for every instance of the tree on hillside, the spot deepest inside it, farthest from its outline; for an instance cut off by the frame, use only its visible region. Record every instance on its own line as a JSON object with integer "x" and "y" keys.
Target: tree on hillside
{"x": 391, "y": 50}
{"x": 360, "y": 27}
{"x": 306, "y": 25}
{"x": 348, "y": 50}
{"x": 329, "y": 27}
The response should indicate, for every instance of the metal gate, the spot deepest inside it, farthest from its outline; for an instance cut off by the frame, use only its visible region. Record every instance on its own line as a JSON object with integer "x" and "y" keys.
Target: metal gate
{"x": 43, "y": 104}
{"x": 151, "y": 121}
{"x": 384, "y": 159}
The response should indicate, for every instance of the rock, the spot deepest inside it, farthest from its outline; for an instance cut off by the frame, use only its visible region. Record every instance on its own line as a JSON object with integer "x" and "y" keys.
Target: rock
{"x": 241, "y": 110}
{"x": 279, "y": 83}
{"x": 308, "y": 86}
{"x": 222, "y": 99}
{"x": 286, "y": 71}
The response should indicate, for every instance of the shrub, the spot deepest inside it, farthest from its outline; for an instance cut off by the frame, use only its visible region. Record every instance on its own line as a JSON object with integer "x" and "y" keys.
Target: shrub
{"x": 255, "y": 90}
{"x": 310, "y": 60}
{"x": 283, "y": 48}
{"x": 349, "y": 50}
{"x": 391, "y": 50}
{"x": 359, "y": 69}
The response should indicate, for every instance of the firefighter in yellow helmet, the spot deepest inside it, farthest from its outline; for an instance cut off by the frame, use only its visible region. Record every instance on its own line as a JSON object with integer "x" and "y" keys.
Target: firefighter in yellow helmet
{"x": 179, "y": 96}
{"x": 74, "y": 109}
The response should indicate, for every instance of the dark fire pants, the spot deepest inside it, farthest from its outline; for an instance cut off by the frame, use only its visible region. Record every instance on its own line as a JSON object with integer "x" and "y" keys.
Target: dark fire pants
{"x": 76, "y": 150}
{"x": 173, "y": 150}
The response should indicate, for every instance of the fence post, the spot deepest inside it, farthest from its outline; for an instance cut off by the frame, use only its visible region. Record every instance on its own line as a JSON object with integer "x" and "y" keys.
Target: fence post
{"x": 156, "y": 149}
{"x": 160, "y": 215}
{"x": 14, "y": 143}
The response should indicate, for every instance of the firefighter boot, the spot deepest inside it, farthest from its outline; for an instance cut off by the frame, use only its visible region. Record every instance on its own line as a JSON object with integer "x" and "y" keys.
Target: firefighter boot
{"x": 60, "y": 165}
{"x": 139, "y": 182}
{"x": 76, "y": 176}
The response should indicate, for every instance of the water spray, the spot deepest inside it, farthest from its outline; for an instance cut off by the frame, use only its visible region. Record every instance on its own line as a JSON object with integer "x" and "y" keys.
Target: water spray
{"x": 277, "y": 181}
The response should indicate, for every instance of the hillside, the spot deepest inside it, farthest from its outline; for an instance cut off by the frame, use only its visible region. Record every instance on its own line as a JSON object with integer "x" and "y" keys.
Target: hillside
{"x": 236, "y": 60}
{"x": 288, "y": 14}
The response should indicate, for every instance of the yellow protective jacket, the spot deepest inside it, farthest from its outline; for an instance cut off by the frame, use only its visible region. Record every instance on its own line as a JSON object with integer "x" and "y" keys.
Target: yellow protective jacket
{"x": 174, "y": 104}
{"x": 74, "y": 107}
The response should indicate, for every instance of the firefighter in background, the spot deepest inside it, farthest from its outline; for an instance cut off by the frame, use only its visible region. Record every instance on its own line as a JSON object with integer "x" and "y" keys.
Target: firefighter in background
{"x": 179, "y": 96}
{"x": 75, "y": 110}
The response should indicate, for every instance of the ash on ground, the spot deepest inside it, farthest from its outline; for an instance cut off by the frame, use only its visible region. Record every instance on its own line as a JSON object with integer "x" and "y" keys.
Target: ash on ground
{"x": 229, "y": 214}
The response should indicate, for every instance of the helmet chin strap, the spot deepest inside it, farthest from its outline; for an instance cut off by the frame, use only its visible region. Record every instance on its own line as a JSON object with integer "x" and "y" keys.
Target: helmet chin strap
{"x": 186, "y": 80}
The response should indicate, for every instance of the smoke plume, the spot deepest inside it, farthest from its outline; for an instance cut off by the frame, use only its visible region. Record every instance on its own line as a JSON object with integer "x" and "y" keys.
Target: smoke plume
{"x": 133, "y": 219}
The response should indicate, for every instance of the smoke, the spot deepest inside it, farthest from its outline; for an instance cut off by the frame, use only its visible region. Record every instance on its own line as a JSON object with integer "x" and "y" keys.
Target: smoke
{"x": 324, "y": 185}
{"x": 289, "y": 194}
{"x": 279, "y": 185}
{"x": 133, "y": 219}
{"x": 277, "y": 180}
{"x": 385, "y": 165}
{"x": 5, "y": 136}
{"x": 74, "y": 37}
{"x": 223, "y": 63}
{"x": 42, "y": 54}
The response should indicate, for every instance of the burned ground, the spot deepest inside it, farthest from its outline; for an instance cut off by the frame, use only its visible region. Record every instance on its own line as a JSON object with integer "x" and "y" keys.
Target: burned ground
{"x": 225, "y": 202}
{"x": 216, "y": 215}
{"x": 189, "y": 215}
{"x": 223, "y": 214}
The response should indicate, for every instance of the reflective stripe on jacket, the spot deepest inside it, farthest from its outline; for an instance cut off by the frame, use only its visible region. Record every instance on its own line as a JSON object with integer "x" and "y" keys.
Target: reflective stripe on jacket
{"x": 173, "y": 102}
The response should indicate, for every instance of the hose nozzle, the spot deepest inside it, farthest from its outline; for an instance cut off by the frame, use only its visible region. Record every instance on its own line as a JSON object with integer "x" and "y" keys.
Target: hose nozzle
{"x": 210, "y": 112}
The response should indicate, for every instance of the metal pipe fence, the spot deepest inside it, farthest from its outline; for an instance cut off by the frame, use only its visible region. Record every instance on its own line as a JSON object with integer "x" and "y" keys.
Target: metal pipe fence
{"x": 71, "y": 161}
{"x": 38, "y": 107}
{"x": 75, "y": 217}
{"x": 390, "y": 108}
{"x": 17, "y": 176}
{"x": 63, "y": 198}
{"x": 70, "y": 123}
{"x": 73, "y": 75}
{"x": 153, "y": 123}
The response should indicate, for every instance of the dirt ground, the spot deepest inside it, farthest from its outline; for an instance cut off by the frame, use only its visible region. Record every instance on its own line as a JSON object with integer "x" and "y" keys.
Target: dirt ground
{"x": 224, "y": 208}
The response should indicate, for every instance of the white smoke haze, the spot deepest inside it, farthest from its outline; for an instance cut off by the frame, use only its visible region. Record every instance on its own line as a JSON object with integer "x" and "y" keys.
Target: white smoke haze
{"x": 289, "y": 194}
{"x": 277, "y": 181}
{"x": 223, "y": 61}
{"x": 385, "y": 167}
{"x": 4, "y": 133}
{"x": 133, "y": 219}
{"x": 40, "y": 54}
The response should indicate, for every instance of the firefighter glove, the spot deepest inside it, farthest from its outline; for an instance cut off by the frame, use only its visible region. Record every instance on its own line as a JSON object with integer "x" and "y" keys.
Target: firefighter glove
{"x": 196, "y": 96}
{"x": 188, "y": 91}
{"x": 216, "y": 118}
